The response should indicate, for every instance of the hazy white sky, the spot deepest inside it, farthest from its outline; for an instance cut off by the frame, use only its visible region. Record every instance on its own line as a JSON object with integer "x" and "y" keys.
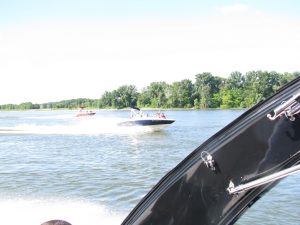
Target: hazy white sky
{"x": 57, "y": 50}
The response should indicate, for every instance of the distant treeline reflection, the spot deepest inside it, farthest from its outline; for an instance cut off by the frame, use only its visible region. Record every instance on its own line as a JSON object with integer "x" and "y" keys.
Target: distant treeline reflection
{"x": 208, "y": 91}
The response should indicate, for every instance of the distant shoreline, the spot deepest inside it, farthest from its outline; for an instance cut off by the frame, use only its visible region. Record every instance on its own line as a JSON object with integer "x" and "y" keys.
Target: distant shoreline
{"x": 124, "y": 109}
{"x": 238, "y": 91}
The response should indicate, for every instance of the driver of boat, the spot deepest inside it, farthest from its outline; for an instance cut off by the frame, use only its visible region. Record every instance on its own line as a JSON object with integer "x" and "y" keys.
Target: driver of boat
{"x": 56, "y": 222}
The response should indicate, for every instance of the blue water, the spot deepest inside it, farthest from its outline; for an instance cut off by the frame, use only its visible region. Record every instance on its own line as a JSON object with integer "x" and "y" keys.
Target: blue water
{"x": 90, "y": 171}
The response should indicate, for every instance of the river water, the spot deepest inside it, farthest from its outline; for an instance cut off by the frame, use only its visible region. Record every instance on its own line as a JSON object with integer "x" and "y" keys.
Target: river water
{"x": 90, "y": 171}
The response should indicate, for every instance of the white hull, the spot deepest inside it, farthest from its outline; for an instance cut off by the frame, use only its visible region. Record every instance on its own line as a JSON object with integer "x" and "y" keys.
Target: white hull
{"x": 157, "y": 127}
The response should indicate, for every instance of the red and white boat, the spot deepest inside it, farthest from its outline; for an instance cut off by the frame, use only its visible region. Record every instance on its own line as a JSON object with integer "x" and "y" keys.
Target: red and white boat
{"x": 85, "y": 112}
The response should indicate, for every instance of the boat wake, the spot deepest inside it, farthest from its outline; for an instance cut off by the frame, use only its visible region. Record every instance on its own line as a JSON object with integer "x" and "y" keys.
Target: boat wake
{"x": 90, "y": 126}
{"x": 37, "y": 211}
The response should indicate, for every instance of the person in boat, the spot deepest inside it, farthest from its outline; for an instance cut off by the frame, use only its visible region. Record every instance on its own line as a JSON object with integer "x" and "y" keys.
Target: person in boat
{"x": 160, "y": 115}
{"x": 56, "y": 222}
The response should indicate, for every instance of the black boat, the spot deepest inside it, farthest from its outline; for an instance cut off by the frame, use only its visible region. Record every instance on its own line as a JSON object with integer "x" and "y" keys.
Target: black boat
{"x": 230, "y": 171}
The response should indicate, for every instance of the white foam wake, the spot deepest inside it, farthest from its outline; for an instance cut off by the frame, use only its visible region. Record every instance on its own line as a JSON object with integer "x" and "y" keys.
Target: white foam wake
{"x": 35, "y": 212}
{"x": 76, "y": 126}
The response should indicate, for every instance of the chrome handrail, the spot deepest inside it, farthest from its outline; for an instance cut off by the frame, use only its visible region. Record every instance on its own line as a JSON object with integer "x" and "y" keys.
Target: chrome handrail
{"x": 288, "y": 108}
{"x": 261, "y": 181}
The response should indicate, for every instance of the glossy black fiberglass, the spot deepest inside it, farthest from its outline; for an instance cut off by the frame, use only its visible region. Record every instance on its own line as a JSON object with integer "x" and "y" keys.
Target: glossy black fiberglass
{"x": 196, "y": 190}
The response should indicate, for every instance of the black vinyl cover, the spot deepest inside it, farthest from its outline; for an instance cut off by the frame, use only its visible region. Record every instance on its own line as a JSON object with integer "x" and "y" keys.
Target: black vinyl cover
{"x": 250, "y": 147}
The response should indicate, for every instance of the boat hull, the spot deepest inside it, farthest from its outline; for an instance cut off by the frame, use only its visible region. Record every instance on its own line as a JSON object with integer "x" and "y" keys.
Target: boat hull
{"x": 147, "y": 122}
{"x": 196, "y": 191}
{"x": 153, "y": 124}
{"x": 85, "y": 114}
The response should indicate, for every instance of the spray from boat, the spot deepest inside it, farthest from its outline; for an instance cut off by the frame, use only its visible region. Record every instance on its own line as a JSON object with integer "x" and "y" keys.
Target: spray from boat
{"x": 95, "y": 125}
{"x": 36, "y": 211}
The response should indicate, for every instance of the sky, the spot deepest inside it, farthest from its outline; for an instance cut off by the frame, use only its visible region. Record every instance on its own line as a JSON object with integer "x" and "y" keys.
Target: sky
{"x": 65, "y": 49}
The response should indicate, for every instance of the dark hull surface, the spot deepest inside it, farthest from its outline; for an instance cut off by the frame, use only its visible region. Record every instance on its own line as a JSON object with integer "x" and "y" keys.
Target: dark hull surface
{"x": 146, "y": 122}
{"x": 196, "y": 192}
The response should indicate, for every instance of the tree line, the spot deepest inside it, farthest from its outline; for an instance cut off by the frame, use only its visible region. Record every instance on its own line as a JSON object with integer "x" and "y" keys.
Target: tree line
{"x": 208, "y": 91}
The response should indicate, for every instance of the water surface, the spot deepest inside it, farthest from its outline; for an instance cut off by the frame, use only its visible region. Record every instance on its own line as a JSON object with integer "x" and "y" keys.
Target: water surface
{"x": 90, "y": 171}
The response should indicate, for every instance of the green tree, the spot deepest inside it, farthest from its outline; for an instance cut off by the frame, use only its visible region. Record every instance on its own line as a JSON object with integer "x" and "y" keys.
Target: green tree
{"x": 181, "y": 94}
{"x": 206, "y": 85}
{"x": 127, "y": 96}
{"x": 231, "y": 94}
{"x": 287, "y": 77}
{"x": 236, "y": 80}
{"x": 260, "y": 85}
{"x": 144, "y": 99}
{"x": 106, "y": 99}
{"x": 124, "y": 96}
{"x": 26, "y": 105}
{"x": 156, "y": 93}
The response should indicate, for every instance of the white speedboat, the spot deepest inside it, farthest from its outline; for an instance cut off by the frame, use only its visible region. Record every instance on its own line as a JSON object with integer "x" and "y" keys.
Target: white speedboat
{"x": 155, "y": 122}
